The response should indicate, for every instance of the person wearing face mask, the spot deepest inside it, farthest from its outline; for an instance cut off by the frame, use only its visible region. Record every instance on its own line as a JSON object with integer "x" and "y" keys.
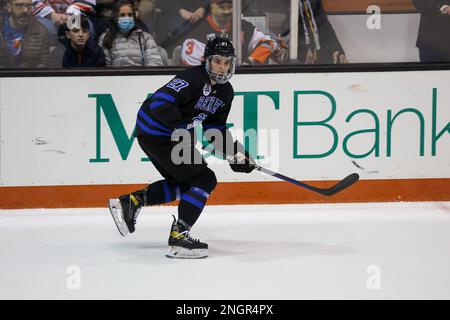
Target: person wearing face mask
{"x": 127, "y": 45}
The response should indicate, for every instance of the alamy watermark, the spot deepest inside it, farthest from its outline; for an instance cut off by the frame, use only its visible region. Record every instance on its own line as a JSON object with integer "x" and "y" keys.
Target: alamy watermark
{"x": 374, "y": 20}
{"x": 73, "y": 281}
{"x": 374, "y": 280}
{"x": 189, "y": 150}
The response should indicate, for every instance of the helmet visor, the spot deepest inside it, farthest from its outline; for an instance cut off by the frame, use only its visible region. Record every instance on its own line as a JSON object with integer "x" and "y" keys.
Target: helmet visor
{"x": 220, "y": 68}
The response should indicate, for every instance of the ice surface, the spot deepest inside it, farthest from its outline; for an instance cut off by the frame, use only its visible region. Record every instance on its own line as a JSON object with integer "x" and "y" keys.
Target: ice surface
{"x": 256, "y": 252}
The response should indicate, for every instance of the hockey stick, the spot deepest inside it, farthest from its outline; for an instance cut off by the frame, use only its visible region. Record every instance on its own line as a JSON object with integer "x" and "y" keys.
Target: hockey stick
{"x": 338, "y": 187}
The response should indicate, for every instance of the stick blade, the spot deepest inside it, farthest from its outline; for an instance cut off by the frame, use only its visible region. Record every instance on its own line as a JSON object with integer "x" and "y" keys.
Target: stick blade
{"x": 343, "y": 184}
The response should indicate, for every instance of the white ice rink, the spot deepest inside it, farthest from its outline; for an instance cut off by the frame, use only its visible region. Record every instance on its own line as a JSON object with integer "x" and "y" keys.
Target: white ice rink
{"x": 345, "y": 251}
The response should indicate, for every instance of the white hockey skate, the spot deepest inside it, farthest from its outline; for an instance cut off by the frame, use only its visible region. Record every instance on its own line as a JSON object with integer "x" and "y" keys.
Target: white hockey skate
{"x": 117, "y": 213}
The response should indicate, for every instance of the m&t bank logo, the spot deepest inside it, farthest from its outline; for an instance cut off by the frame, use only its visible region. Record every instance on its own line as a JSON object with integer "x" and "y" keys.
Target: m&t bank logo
{"x": 377, "y": 124}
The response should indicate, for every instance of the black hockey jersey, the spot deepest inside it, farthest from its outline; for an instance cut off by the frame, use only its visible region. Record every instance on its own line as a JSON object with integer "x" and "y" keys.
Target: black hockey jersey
{"x": 187, "y": 100}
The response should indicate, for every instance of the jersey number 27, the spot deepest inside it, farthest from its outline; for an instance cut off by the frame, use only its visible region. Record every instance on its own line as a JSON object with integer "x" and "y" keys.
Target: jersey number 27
{"x": 177, "y": 84}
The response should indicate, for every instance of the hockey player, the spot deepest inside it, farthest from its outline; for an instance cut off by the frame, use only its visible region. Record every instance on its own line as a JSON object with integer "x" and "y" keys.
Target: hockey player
{"x": 200, "y": 95}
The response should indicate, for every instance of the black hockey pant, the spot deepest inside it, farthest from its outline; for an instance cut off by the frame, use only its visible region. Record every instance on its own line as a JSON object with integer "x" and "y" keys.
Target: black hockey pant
{"x": 191, "y": 183}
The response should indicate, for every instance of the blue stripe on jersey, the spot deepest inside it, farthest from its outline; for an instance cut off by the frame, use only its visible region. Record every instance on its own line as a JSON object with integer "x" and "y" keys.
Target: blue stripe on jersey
{"x": 163, "y": 96}
{"x": 166, "y": 189}
{"x": 151, "y": 131}
{"x": 200, "y": 192}
{"x": 193, "y": 201}
{"x": 156, "y": 104}
{"x": 153, "y": 123}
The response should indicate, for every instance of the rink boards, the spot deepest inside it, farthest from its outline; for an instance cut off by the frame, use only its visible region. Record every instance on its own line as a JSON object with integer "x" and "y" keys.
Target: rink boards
{"x": 67, "y": 142}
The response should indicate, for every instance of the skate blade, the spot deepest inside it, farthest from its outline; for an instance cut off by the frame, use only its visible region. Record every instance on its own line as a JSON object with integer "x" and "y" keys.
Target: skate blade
{"x": 116, "y": 211}
{"x": 182, "y": 253}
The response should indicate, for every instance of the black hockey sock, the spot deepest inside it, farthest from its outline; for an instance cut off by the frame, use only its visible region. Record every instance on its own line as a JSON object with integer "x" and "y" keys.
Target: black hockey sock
{"x": 191, "y": 205}
{"x": 159, "y": 192}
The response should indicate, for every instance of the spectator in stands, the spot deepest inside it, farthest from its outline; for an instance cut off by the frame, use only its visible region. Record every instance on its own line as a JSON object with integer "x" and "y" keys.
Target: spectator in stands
{"x": 317, "y": 40}
{"x": 3, "y": 6}
{"x": 103, "y": 16}
{"x": 53, "y": 14}
{"x": 126, "y": 45}
{"x": 178, "y": 16}
{"x": 80, "y": 52}
{"x": 23, "y": 40}
{"x": 146, "y": 14}
{"x": 257, "y": 47}
{"x": 433, "y": 40}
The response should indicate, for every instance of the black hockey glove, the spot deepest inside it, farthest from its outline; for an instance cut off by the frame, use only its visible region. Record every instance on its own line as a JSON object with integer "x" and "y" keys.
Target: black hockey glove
{"x": 242, "y": 161}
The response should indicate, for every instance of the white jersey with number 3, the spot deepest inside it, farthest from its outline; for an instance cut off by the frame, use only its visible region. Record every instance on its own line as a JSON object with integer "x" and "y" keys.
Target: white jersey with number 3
{"x": 192, "y": 52}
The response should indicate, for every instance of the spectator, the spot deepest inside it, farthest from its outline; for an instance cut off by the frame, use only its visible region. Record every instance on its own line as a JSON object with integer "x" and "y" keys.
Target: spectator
{"x": 257, "y": 47}
{"x": 178, "y": 16}
{"x": 146, "y": 14}
{"x": 145, "y": 10}
{"x": 147, "y": 21}
{"x": 23, "y": 40}
{"x": 53, "y": 14}
{"x": 104, "y": 9}
{"x": 433, "y": 41}
{"x": 80, "y": 52}
{"x": 126, "y": 45}
{"x": 317, "y": 40}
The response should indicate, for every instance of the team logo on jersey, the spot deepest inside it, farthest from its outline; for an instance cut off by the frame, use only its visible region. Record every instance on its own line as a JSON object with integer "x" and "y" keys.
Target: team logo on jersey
{"x": 210, "y": 104}
{"x": 206, "y": 89}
